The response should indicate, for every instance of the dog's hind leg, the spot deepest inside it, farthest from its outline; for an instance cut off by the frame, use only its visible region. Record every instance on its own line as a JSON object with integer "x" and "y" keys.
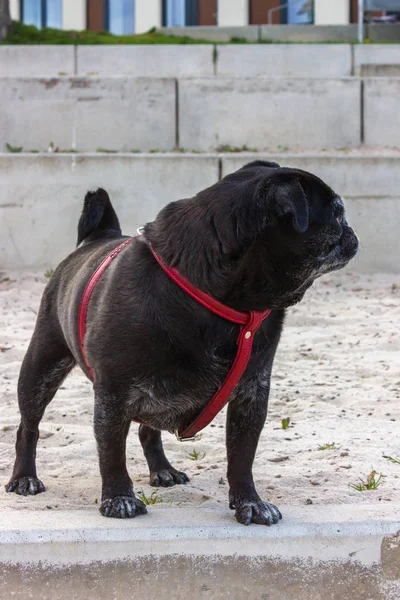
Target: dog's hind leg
{"x": 46, "y": 364}
{"x": 162, "y": 473}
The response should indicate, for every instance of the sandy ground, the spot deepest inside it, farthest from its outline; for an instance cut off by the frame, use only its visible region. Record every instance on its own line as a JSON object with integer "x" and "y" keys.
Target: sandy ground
{"x": 336, "y": 375}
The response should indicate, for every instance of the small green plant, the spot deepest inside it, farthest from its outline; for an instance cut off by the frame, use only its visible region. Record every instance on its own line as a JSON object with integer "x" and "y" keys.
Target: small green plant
{"x": 14, "y": 149}
{"x": 285, "y": 422}
{"x": 106, "y": 150}
{"x": 4, "y": 279}
{"x": 392, "y": 459}
{"x": 153, "y": 499}
{"x": 229, "y": 148}
{"x": 372, "y": 482}
{"x": 49, "y": 273}
{"x": 332, "y": 446}
{"x": 194, "y": 455}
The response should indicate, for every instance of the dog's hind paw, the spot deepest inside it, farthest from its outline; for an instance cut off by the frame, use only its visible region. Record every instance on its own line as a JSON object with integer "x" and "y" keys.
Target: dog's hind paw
{"x": 259, "y": 512}
{"x": 122, "y": 507}
{"x": 25, "y": 486}
{"x": 168, "y": 477}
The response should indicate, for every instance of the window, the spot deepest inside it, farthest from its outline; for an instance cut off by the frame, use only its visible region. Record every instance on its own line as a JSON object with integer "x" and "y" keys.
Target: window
{"x": 300, "y": 12}
{"x": 42, "y": 13}
{"x": 178, "y": 13}
{"x": 120, "y": 16}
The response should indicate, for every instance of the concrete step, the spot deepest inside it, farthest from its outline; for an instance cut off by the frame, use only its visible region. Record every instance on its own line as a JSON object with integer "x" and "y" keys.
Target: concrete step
{"x": 53, "y": 185}
{"x": 338, "y": 552}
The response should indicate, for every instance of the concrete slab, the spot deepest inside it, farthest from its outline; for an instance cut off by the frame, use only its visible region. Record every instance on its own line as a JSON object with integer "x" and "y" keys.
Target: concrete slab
{"x": 269, "y": 113}
{"x": 376, "y": 55}
{"x": 50, "y": 188}
{"x": 36, "y": 61}
{"x": 314, "y": 553}
{"x": 305, "y": 33}
{"x": 284, "y": 60}
{"x": 370, "y": 187}
{"x": 146, "y": 60}
{"x": 381, "y": 110}
{"x": 214, "y": 34}
{"x": 80, "y": 113}
{"x": 383, "y": 32}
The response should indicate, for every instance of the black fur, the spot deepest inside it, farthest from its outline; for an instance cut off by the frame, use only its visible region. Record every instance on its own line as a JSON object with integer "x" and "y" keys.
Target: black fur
{"x": 255, "y": 240}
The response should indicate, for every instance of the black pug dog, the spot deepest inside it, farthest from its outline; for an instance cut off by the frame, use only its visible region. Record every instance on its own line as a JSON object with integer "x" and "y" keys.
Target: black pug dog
{"x": 255, "y": 240}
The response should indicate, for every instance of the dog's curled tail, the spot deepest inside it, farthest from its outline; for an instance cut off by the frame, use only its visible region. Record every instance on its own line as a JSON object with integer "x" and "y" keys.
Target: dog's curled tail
{"x": 97, "y": 215}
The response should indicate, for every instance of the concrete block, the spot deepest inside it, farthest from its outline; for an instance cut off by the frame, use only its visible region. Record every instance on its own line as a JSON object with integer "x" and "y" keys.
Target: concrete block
{"x": 370, "y": 187}
{"x": 214, "y": 34}
{"x": 41, "y": 197}
{"x": 284, "y": 60}
{"x": 269, "y": 113}
{"x": 36, "y": 61}
{"x": 381, "y": 112}
{"x": 367, "y": 56}
{"x": 146, "y": 61}
{"x": 383, "y": 32}
{"x": 86, "y": 113}
{"x": 309, "y": 33}
{"x": 315, "y": 552}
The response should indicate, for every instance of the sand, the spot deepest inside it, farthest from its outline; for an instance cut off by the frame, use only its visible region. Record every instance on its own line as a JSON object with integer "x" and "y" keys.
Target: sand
{"x": 336, "y": 375}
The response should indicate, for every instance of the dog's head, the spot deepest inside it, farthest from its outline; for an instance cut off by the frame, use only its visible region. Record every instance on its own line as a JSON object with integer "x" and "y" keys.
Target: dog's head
{"x": 258, "y": 238}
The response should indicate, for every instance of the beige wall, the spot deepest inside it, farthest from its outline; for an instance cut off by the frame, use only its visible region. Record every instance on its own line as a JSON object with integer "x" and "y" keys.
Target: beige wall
{"x": 147, "y": 15}
{"x": 232, "y": 13}
{"x": 15, "y": 10}
{"x": 331, "y": 12}
{"x": 74, "y": 14}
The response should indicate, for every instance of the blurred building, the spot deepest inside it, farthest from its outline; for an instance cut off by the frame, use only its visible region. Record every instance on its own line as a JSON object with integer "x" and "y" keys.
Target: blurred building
{"x": 138, "y": 16}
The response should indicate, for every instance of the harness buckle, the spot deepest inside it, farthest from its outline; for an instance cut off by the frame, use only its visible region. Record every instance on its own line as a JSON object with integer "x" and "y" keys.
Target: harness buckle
{"x": 181, "y": 439}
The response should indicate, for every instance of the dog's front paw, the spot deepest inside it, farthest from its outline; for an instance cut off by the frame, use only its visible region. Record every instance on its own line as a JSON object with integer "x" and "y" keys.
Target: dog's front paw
{"x": 122, "y": 507}
{"x": 168, "y": 477}
{"x": 25, "y": 486}
{"x": 254, "y": 511}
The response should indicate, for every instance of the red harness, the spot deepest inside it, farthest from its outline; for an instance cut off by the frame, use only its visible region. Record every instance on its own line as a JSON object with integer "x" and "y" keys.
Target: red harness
{"x": 249, "y": 323}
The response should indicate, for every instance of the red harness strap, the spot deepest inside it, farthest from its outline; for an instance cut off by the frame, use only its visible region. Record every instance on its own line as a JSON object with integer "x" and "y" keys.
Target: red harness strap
{"x": 249, "y": 323}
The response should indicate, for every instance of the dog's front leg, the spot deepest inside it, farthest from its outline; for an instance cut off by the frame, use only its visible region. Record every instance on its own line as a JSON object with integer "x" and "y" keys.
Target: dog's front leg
{"x": 111, "y": 428}
{"x": 245, "y": 420}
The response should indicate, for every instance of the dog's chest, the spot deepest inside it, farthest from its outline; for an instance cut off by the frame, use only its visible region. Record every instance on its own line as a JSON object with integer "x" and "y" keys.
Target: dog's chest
{"x": 173, "y": 397}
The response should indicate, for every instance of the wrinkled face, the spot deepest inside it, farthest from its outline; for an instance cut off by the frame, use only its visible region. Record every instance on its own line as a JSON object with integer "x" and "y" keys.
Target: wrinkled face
{"x": 332, "y": 243}
{"x": 303, "y": 233}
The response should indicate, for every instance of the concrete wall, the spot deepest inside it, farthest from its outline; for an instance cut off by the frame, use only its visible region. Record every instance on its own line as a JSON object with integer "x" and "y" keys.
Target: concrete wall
{"x": 146, "y": 61}
{"x": 370, "y": 187}
{"x": 52, "y": 187}
{"x": 381, "y": 111}
{"x": 328, "y": 60}
{"x": 331, "y": 12}
{"x": 215, "y": 34}
{"x": 84, "y": 114}
{"x": 41, "y": 197}
{"x": 147, "y": 15}
{"x": 269, "y": 113}
{"x": 287, "y": 60}
{"x": 36, "y": 61}
{"x": 291, "y": 33}
{"x": 376, "y": 55}
{"x": 309, "y": 33}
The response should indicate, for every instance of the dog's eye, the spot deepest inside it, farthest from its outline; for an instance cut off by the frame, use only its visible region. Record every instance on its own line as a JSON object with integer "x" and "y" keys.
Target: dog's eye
{"x": 339, "y": 220}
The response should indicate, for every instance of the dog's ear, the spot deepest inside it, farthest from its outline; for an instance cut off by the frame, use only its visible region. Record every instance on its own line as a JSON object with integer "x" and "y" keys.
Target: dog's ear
{"x": 261, "y": 163}
{"x": 289, "y": 200}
